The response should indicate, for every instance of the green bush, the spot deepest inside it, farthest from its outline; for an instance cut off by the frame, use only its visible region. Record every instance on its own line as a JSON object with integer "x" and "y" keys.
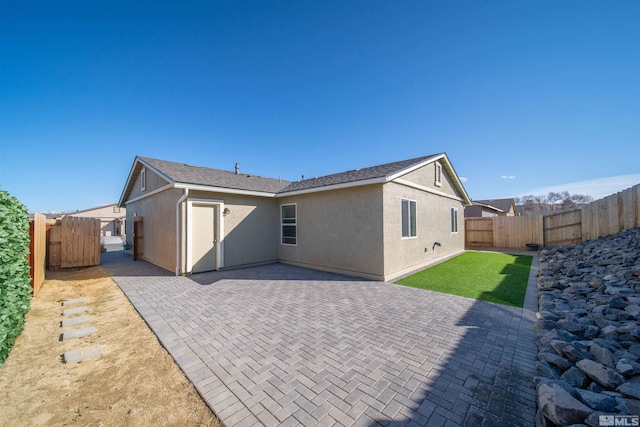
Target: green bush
{"x": 15, "y": 281}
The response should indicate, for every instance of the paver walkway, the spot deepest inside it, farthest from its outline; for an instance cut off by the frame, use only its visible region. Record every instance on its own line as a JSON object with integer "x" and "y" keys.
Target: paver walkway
{"x": 281, "y": 345}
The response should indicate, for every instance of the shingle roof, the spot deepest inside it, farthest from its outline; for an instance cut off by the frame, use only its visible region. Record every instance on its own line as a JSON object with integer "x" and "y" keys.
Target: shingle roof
{"x": 502, "y": 204}
{"x": 198, "y": 175}
{"x": 189, "y": 175}
{"x": 372, "y": 172}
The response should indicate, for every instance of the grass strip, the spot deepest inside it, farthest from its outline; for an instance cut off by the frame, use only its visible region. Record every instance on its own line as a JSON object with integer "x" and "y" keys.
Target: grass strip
{"x": 485, "y": 276}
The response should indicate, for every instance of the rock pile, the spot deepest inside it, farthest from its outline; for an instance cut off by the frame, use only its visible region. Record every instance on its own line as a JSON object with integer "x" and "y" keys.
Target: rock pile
{"x": 587, "y": 331}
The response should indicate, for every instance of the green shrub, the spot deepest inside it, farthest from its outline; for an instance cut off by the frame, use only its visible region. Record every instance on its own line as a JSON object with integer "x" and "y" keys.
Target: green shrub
{"x": 15, "y": 281}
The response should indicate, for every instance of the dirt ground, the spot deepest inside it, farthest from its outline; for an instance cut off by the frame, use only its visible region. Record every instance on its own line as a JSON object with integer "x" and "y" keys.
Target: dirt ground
{"x": 134, "y": 382}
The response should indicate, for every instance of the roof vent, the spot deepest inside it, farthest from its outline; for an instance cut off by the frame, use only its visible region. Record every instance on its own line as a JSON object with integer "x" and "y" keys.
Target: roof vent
{"x": 237, "y": 168}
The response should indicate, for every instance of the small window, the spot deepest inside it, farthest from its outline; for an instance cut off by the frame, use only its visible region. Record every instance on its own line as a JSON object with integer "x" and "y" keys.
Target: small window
{"x": 438, "y": 174}
{"x": 454, "y": 220}
{"x": 289, "y": 224}
{"x": 409, "y": 228}
{"x": 116, "y": 209}
{"x": 143, "y": 179}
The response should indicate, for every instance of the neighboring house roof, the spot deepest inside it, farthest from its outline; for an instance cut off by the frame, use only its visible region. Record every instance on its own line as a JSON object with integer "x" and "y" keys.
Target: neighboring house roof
{"x": 182, "y": 175}
{"x": 487, "y": 206}
{"x": 504, "y": 205}
{"x": 96, "y": 212}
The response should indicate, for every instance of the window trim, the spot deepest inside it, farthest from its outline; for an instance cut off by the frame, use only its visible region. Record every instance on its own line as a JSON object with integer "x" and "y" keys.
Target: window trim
{"x": 408, "y": 218}
{"x": 143, "y": 179}
{"x": 438, "y": 174}
{"x": 454, "y": 220}
{"x": 288, "y": 224}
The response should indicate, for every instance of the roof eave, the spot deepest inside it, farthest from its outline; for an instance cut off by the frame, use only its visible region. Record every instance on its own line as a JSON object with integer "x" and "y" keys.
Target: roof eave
{"x": 214, "y": 189}
{"x": 351, "y": 184}
{"x": 126, "y": 190}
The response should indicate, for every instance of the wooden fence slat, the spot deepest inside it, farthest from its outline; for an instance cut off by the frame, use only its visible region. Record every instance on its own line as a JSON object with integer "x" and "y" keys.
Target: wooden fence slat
{"x": 610, "y": 215}
{"x": 74, "y": 242}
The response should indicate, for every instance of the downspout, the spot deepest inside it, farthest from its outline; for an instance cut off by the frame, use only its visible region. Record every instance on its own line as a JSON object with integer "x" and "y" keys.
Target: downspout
{"x": 178, "y": 228}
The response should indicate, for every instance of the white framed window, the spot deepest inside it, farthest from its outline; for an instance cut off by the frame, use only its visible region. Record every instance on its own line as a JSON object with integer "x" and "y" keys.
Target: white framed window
{"x": 438, "y": 173}
{"x": 143, "y": 179}
{"x": 289, "y": 224}
{"x": 454, "y": 220}
{"x": 409, "y": 216}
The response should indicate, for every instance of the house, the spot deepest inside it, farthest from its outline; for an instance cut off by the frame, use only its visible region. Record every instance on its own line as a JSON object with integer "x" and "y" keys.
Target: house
{"x": 489, "y": 208}
{"x": 378, "y": 222}
{"x": 111, "y": 218}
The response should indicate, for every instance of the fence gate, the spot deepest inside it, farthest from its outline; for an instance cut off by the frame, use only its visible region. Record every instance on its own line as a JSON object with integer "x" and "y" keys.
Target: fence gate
{"x": 74, "y": 242}
{"x": 138, "y": 238}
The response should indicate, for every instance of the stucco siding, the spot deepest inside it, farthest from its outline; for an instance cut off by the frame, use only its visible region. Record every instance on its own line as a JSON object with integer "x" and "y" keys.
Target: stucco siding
{"x": 153, "y": 182}
{"x": 158, "y": 214}
{"x": 426, "y": 177}
{"x": 250, "y": 229}
{"x": 433, "y": 225}
{"x": 338, "y": 230}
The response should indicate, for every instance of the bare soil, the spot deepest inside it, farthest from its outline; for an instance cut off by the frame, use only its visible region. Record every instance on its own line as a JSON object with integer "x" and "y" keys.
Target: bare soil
{"x": 134, "y": 382}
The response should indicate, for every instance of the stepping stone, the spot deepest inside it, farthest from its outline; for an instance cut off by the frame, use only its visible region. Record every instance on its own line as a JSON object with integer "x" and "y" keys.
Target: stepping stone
{"x": 74, "y": 301}
{"x": 74, "y": 321}
{"x": 73, "y": 356}
{"x": 75, "y": 310}
{"x": 78, "y": 333}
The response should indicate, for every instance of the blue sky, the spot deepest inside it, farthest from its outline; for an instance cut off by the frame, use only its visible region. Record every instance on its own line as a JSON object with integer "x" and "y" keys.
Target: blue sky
{"x": 523, "y": 96}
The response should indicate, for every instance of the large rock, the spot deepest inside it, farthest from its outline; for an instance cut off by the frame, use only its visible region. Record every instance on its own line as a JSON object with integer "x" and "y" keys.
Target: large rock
{"x": 559, "y": 407}
{"x": 597, "y": 401}
{"x": 628, "y": 367}
{"x": 630, "y": 390}
{"x": 602, "y": 355}
{"x": 606, "y": 377}
{"x": 575, "y": 377}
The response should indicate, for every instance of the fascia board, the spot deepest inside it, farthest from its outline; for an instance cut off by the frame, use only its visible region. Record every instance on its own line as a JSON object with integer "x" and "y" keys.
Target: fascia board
{"x": 352, "y": 184}
{"x": 150, "y": 193}
{"x": 207, "y": 188}
{"x": 414, "y": 167}
{"x": 458, "y": 183}
{"x": 427, "y": 189}
{"x": 121, "y": 202}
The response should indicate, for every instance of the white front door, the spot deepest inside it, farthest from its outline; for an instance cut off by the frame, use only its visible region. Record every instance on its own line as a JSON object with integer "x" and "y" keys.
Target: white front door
{"x": 204, "y": 238}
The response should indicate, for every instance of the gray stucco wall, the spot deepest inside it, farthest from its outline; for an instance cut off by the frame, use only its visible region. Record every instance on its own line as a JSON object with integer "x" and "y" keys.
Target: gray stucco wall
{"x": 250, "y": 229}
{"x": 402, "y": 255}
{"x": 158, "y": 214}
{"x": 339, "y": 230}
{"x": 153, "y": 182}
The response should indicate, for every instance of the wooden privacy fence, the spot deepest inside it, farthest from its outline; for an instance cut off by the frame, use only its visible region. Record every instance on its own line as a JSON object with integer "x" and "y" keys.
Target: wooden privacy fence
{"x": 74, "y": 242}
{"x": 37, "y": 250}
{"x": 615, "y": 213}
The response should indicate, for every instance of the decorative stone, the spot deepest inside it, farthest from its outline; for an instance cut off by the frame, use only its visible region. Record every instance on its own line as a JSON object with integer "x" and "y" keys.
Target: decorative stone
{"x": 603, "y": 375}
{"x": 630, "y": 390}
{"x": 559, "y": 407}
{"x": 555, "y": 360}
{"x": 602, "y": 355}
{"x": 597, "y": 401}
{"x": 628, "y": 367}
{"x": 588, "y": 331}
{"x": 575, "y": 377}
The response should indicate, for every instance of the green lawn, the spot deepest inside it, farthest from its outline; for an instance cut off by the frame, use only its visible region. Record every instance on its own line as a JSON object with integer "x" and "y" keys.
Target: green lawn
{"x": 485, "y": 276}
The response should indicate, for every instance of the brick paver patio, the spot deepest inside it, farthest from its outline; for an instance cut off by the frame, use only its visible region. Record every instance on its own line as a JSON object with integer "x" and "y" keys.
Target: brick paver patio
{"x": 281, "y": 345}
